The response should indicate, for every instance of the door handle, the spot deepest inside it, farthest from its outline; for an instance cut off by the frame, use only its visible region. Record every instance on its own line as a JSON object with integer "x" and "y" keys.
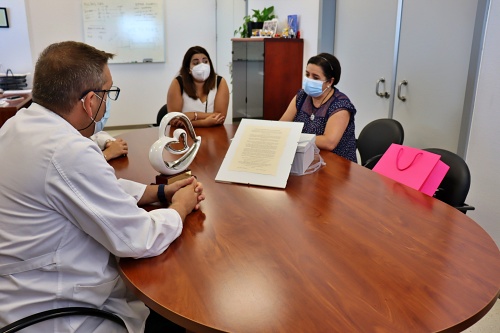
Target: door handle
{"x": 402, "y": 83}
{"x": 377, "y": 89}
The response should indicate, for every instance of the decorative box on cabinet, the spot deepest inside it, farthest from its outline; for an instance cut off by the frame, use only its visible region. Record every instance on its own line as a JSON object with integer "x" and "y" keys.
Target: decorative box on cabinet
{"x": 267, "y": 73}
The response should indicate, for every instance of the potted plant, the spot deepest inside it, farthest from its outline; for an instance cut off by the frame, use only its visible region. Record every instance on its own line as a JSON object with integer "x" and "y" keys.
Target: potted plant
{"x": 255, "y": 21}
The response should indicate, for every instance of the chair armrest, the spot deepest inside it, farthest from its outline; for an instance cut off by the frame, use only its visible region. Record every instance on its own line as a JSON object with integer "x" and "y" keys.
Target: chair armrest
{"x": 372, "y": 161}
{"x": 465, "y": 207}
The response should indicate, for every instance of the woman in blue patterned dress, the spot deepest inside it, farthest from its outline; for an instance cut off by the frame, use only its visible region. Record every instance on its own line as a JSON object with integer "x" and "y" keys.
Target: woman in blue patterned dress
{"x": 324, "y": 110}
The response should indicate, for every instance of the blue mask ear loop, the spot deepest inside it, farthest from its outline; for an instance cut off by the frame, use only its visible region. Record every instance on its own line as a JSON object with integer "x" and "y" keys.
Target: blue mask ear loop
{"x": 329, "y": 87}
{"x": 93, "y": 119}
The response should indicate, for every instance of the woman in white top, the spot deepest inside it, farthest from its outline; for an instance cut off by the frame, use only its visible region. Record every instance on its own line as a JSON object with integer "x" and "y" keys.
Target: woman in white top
{"x": 198, "y": 91}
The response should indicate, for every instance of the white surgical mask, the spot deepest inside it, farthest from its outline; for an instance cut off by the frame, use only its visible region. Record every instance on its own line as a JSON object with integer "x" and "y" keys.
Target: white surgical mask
{"x": 201, "y": 72}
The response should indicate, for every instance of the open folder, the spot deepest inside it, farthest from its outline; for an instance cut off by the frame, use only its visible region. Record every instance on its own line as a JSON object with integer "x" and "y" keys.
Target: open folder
{"x": 261, "y": 153}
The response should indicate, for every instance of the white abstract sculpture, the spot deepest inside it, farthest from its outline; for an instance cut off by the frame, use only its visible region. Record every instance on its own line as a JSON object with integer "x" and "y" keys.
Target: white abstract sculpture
{"x": 165, "y": 142}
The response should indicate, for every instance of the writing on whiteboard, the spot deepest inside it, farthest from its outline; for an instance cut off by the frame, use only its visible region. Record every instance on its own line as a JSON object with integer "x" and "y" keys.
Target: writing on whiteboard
{"x": 132, "y": 30}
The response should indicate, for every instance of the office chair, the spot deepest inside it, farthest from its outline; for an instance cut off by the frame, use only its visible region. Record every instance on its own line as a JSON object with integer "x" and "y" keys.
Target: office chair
{"x": 161, "y": 113}
{"x": 376, "y": 137}
{"x": 54, "y": 313}
{"x": 455, "y": 186}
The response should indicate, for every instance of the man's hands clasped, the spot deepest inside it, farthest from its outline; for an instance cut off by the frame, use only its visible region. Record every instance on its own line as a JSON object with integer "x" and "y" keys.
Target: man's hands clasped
{"x": 185, "y": 195}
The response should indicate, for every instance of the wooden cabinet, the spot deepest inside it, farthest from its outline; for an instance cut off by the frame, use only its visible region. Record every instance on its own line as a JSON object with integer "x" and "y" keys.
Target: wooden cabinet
{"x": 11, "y": 109}
{"x": 419, "y": 52}
{"x": 267, "y": 73}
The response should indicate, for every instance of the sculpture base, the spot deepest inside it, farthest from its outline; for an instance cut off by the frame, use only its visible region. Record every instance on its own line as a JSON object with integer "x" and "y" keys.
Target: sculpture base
{"x": 169, "y": 179}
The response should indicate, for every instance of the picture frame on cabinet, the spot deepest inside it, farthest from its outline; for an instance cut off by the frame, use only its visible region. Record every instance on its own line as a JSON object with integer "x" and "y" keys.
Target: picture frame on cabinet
{"x": 293, "y": 25}
{"x": 269, "y": 28}
{"x": 4, "y": 19}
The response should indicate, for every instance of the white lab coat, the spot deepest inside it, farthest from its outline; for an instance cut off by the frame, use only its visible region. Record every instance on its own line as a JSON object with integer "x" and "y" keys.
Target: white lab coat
{"x": 101, "y": 138}
{"x": 63, "y": 218}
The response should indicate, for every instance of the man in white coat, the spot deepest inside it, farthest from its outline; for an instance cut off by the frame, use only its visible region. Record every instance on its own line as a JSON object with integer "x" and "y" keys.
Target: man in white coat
{"x": 63, "y": 214}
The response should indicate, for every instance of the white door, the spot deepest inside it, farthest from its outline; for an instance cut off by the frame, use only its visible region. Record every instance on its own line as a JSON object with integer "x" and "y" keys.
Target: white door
{"x": 434, "y": 53}
{"x": 433, "y": 58}
{"x": 364, "y": 45}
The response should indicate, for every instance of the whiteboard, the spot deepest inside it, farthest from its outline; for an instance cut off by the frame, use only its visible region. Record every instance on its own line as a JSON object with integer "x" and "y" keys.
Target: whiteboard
{"x": 133, "y": 30}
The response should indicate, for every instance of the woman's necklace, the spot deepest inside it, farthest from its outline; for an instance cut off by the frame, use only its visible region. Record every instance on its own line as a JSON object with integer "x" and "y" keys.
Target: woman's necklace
{"x": 206, "y": 101}
{"x": 316, "y": 108}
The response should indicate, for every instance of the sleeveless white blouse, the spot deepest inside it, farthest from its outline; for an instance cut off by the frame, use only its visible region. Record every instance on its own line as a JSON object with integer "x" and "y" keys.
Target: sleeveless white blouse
{"x": 196, "y": 105}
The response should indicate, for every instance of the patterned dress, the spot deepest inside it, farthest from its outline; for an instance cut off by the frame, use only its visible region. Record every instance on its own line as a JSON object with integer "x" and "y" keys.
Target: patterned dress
{"x": 337, "y": 102}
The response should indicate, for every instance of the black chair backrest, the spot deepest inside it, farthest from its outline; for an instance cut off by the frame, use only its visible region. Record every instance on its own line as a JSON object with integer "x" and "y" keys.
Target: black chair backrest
{"x": 376, "y": 137}
{"x": 161, "y": 113}
{"x": 456, "y": 184}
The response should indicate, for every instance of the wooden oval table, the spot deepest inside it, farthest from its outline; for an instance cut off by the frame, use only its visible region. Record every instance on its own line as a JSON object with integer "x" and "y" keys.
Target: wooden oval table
{"x": 340, "y": 250}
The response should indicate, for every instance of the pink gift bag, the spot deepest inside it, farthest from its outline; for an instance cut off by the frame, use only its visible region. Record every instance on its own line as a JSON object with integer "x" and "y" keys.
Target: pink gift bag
{"x": 413, "y": 167}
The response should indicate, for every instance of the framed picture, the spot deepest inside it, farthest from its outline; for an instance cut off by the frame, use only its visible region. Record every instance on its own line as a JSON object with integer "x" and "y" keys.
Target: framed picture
{"x": 4, "y": 20}
{"x": 293, "y": 24}
{"x": 269, "y": 28}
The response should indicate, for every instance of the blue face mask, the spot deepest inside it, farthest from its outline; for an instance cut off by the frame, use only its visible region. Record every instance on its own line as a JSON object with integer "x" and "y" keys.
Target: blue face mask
{"x": 313, "y": 88}
{"x": 99, "y": 125}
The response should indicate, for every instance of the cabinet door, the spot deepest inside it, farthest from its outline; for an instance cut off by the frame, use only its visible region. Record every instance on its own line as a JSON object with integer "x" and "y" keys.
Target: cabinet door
{"x": 283, "y": 74}
{"x": 248, "y": 79}
{"x": 434, "y": 53}
{"x": 364, "y": 45}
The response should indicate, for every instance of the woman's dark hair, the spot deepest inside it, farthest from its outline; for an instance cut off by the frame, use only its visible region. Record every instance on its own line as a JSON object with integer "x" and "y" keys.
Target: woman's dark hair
{"x": 330, "y": 65}
{"x": 187, "y": 79}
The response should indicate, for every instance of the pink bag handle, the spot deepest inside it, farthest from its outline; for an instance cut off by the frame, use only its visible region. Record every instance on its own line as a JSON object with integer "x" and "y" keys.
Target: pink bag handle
{"x": 409, "y": 165}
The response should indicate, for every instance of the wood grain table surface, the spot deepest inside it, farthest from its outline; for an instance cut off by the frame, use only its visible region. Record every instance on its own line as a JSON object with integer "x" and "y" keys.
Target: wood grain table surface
{"x": 340, "y": 250}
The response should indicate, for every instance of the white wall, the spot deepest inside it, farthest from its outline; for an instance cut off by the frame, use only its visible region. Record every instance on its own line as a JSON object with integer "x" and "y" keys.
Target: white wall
{"x": 38, "y": 23}
{"x": 483, "y": 155}
{"x": 15, "y": 50}
{"x": 143, "y": 86}
{"x": 229, "y": 17}
{"x": 308, "y": 12}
